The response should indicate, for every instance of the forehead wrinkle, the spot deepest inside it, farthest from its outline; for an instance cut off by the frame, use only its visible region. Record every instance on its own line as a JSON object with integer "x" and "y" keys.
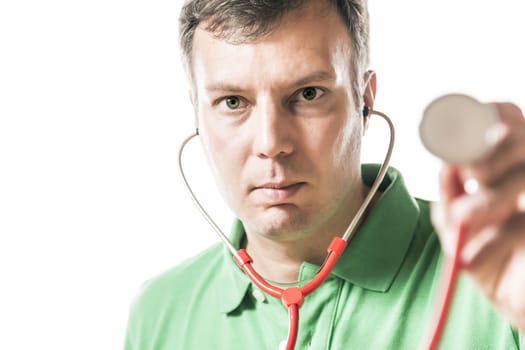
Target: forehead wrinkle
{"x": 309, "y": 66}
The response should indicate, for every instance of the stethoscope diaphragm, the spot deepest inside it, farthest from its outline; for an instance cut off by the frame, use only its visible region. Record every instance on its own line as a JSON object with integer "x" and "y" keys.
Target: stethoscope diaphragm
{"x": 459, "y": 129}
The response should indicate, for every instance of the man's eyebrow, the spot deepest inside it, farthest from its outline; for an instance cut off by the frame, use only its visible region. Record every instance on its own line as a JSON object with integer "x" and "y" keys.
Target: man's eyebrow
{"x": 318, "y": 76}
{"x": 220, "y": 86}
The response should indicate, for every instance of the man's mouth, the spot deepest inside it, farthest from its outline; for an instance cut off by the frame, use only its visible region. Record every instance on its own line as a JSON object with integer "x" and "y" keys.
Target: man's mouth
{"x": 278, "y": 192}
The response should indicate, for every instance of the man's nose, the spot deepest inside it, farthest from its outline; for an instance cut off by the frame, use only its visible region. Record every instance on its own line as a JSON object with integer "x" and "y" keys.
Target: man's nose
{"x": 273, "y": 131}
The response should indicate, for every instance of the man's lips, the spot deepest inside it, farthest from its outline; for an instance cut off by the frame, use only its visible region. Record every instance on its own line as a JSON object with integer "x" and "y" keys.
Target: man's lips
{"x": 276, "y": 192}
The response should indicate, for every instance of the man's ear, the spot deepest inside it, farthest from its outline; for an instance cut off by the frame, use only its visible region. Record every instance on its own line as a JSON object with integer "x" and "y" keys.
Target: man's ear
{"x": 369, "y": 95}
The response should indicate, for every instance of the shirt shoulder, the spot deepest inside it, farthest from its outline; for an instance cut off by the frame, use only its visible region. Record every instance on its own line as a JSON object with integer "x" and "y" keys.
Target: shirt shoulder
{"x": 180, "y": 279}
{"x": 167, "y": 298}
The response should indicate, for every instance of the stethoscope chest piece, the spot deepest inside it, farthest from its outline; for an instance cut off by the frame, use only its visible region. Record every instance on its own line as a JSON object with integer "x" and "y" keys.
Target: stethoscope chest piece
{"x": 459, "y": 129}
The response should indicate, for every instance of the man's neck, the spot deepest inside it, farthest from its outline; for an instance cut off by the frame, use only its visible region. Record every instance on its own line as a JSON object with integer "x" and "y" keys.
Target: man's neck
{"x": 280, "y": 262}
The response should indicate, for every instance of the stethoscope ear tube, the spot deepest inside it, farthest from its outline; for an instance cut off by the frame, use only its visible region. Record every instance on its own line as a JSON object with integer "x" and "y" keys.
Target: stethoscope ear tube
{"x": 293, "y": 297}
{"x": 187, "y": 186}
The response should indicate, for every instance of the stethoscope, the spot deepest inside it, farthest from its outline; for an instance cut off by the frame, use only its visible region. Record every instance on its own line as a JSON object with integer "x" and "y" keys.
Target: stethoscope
{"x": 438, "y": 117}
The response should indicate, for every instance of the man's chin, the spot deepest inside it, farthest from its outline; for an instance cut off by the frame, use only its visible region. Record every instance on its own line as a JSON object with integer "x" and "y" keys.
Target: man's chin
{"x": 281, "y": 224}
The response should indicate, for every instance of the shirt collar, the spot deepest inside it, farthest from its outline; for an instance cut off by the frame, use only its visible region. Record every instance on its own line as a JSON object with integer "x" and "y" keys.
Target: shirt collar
{"x": 373, "y": 257}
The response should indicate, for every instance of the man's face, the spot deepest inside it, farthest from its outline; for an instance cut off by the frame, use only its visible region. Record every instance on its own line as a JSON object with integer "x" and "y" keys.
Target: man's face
{"x": 279, "y": 125}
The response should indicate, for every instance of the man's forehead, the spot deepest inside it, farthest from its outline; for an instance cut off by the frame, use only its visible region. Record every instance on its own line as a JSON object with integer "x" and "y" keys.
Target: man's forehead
{"x": 286, "y": 59}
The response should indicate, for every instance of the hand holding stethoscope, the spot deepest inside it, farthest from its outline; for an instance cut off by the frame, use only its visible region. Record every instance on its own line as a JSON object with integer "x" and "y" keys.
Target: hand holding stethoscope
{"x": 484, "y": 146}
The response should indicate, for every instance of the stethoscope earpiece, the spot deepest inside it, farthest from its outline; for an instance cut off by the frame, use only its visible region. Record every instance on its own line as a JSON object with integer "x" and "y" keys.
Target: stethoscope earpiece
{"x": 366, "y": 111}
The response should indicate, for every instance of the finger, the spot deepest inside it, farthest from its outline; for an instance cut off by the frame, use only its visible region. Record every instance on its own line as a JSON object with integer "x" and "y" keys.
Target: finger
{"x": 509, "y": 113}
{"x": 490, "y": 206}
{"x": 451, "y": 188}
{"x": 451, "y": 183}
{"x": 485, "y": 256}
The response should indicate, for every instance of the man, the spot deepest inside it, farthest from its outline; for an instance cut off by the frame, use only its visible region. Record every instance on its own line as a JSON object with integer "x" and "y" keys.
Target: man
{"x": 281, "y": 90}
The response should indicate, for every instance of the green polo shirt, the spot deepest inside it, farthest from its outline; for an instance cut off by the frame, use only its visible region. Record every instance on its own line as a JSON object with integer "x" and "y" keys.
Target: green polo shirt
{"x": 380, "y": 295}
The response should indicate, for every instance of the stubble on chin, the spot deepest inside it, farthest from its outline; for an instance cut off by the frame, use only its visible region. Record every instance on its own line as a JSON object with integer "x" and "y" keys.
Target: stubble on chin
{"x": 279, "y": 227}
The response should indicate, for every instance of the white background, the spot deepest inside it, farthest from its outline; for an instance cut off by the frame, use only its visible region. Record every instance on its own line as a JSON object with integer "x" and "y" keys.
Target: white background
{"x": 93, "y": 106}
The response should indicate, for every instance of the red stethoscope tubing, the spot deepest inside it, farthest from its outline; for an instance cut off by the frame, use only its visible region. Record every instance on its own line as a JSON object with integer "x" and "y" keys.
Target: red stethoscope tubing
{"x": 448, "y": 284}
{"x": 293, "y": 297}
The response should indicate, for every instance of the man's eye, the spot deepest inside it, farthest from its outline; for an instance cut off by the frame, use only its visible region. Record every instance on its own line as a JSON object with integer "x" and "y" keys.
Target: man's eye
{"x": 233, "y": 102}
{"x": 310, "y": 94}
